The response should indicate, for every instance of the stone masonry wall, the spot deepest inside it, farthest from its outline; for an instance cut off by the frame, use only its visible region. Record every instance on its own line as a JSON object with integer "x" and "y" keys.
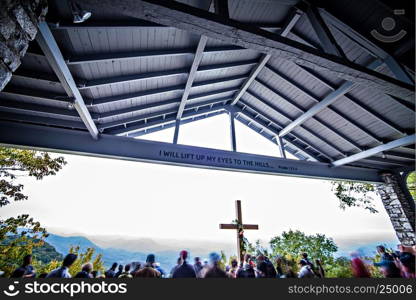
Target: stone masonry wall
{"x": 18, "y": 26}
{"x": 398, "y": 207}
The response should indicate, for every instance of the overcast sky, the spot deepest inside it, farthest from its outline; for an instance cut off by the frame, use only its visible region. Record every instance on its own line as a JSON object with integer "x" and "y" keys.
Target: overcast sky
{"x": 104, "y": 196}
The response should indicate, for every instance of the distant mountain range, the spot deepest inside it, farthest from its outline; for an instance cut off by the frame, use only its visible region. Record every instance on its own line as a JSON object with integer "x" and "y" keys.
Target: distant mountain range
{"x": 124, "y": 251}
{"x": 130, "y": 249}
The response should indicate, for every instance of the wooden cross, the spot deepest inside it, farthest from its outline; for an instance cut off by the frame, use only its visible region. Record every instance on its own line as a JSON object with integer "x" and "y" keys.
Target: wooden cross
{"x": 240, "y": 229}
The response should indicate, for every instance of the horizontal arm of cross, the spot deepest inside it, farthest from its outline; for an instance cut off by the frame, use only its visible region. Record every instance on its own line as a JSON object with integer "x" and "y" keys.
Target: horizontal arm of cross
{"x": 234, "y": 226}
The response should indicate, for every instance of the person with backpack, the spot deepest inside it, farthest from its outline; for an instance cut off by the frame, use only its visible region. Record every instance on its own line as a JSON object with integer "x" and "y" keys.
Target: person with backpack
{"x": 63, "y": 271}
{"x": 126, "y": 273}
{"x": 305, "y": 270}
{"x": 387, "y": 265}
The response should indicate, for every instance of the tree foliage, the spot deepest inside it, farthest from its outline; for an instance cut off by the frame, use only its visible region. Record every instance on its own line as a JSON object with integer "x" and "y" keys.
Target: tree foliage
{"x": 354, "y": 194}
{"x": 15, "y": 163}
{"x": 411, "y": 184}
{"x": 85, "y": 257}
{"x": 292, "y": 244}
{"x": 340, "y": 268}
{"x": 27, "y": 235}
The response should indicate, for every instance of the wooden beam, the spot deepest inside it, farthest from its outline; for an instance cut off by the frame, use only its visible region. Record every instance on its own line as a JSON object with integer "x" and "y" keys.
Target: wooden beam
{"x": 191, "y": 77}
{"x": 404, "y": 141}
{"x": 232, "y": 131}
{"x": 328, "y": 100}
{"x": 221, "y": 8}
{"x": 78, "y": 142}
{"x": 54, "y": 56}
{"x": 328, "y": 42}
{"x": 293, "y": 19}
{"x": 201, "y": 22}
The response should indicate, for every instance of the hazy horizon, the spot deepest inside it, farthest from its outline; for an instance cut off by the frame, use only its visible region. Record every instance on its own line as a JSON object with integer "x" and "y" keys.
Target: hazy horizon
{"x": 96, "y": 196}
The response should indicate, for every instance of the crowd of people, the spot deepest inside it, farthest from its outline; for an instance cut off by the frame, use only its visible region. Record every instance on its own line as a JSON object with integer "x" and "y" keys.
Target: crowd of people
{"x": 400, "y": 263}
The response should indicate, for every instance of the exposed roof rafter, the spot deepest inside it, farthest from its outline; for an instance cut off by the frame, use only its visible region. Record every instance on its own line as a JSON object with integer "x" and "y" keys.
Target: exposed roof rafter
{"x": 49, "y": 46}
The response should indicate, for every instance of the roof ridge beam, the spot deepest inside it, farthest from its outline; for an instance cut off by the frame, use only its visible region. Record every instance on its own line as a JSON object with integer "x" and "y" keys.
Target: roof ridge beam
{"x": 54, "y": 56}
{"x": 204, "y": 23}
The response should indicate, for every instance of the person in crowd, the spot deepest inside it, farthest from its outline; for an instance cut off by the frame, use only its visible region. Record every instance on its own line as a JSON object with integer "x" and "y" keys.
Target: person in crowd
{"x": 185, "y": 270}
{"x": 178, "y": 264}
{"x": 271, "y": 271}
{"x": 148, "y": 271}
{"x": 43, "y": 275}
{"x": 29, "y": 271}
{"x": 126, "y": 273}
{"x": 232, "y": 272}
{"x": 405, "y": 262}
{"x": 111, "y": 273}
{"x": 137, "y": 267}
{"x": 247, "y": 268}
{"x": 279, "y": 269}
{"x": 27, "y": 265}
{"x": 198, "y": 267}
{"x": 215, "y": 271}
{"x": 305, "y": 257}
{"x": 320, "y": 271}
{"x": 290, "y": 273}
{"x": 261, "y": 270}
{"x": 265, "y": 268}
{"x": 305, "y": 270}
{"x": 358, "y": 267}
{"x": 157, "y": 267}
{"x": 85, "y": 271}
{"x": 386, "y": 264}
{"x": 120, "y": 270}
{"x": 18, "y": 273}
{"x": 63, "y": 271}
{"x": 94, "y": 274}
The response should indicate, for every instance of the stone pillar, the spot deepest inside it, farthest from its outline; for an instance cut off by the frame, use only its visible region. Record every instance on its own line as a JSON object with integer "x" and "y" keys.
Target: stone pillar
{"x": 399, "y": 206}
{"x": 18, "y": 26}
